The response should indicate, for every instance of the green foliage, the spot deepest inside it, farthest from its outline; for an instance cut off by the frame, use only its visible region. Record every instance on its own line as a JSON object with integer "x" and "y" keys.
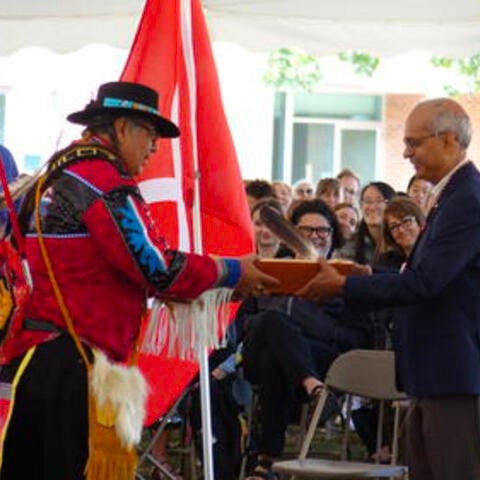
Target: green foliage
{"x": 442, "y": 62}
{"x": 363, "y": 63}
{"x": 292, "y": 69}
{"x": 467, "y": 67}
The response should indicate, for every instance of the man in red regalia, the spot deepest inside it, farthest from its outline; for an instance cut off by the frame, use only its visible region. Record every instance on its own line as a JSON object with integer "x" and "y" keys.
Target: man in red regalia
{"x": 95, "y": 256}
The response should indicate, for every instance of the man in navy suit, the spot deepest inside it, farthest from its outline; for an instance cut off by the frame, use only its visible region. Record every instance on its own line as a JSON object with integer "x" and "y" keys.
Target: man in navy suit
{"x": 437, "y": 295}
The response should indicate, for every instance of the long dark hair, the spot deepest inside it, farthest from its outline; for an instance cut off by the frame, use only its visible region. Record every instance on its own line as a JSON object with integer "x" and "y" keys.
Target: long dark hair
{"x": 388, "y": 193}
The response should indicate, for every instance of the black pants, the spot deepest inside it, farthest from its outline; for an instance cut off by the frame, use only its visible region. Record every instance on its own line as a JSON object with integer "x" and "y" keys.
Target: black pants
{"x": 47, "y": 438}
{"x": 277, "y": 357}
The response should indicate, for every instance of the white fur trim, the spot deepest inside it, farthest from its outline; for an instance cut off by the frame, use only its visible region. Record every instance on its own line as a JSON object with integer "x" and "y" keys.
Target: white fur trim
{"x": 126, "y": 390}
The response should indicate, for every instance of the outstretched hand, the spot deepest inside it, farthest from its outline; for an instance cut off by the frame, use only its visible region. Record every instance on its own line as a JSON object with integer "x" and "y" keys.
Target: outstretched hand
{"x": 326, "y": 284}
{"x": 253, "y": 281}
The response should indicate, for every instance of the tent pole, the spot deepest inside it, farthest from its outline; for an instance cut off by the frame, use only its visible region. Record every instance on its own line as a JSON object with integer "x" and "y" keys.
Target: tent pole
{"x": 187, "y": 44}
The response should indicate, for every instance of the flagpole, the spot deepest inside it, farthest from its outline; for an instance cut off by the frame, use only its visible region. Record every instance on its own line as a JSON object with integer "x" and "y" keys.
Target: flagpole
{"x": 187, "y": 43}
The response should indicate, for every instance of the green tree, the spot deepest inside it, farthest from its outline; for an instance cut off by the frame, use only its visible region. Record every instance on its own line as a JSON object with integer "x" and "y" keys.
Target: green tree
{"x": 468, "y": 68}
{"x": 292, "y": 69}
{"x": 363, "y": 63}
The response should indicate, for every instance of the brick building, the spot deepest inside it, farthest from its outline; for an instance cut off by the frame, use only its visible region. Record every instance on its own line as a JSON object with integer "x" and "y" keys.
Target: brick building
{"x": 397, "y": 107}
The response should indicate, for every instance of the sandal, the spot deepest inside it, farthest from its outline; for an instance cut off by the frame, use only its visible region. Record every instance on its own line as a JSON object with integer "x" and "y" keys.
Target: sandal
{"x": 314, "y": 395}
{"x": 305, "y": 397}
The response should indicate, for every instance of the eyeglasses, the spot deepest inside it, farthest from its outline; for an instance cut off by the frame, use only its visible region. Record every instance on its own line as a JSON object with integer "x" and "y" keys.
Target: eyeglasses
{"x": 150, "y": 129}
{"x": 405, "y": 222}
{"x": 412, "y": 143}
{"x": 319, "y": 231}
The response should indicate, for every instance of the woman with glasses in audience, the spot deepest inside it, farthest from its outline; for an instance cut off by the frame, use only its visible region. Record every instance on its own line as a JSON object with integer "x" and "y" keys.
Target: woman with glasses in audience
{"x": 373, "y": 201}
{"x": 403, "y": 221}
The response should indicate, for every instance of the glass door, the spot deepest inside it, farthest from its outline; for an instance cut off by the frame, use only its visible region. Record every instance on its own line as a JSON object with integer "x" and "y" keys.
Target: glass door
{"x": 358, "y": 152}
{"x": 312, "y": 151}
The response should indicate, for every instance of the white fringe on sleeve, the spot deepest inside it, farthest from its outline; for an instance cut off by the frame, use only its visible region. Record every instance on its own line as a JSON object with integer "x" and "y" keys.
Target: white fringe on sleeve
{"x": 187, "y": 328}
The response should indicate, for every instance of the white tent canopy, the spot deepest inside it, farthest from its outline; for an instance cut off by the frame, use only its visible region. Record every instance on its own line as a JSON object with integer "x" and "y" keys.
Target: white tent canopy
{"x": 383, "y": 27}
{"x": 67, "y": 25}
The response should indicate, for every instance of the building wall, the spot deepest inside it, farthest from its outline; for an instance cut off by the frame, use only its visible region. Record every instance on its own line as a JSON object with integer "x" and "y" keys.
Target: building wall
{"x": 471, "y": 103}
{"x": 397, "y": 170}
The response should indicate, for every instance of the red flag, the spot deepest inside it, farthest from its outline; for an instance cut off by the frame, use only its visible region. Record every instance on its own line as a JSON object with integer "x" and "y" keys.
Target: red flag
{"x": 172, "y": 54}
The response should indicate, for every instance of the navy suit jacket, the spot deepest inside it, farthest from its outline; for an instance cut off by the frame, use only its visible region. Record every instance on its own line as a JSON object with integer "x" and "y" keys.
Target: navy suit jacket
{"x": 437, "y": 319}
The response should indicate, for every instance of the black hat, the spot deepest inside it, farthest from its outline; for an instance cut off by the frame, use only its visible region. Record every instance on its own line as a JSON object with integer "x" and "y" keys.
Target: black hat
{"x": 126, "y": 98}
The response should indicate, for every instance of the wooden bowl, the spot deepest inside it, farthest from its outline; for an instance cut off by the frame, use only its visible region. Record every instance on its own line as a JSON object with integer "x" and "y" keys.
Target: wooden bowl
{"x": 294, "y": 274}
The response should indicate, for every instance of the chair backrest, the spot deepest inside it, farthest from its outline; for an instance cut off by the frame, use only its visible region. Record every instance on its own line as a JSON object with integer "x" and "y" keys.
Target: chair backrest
{"x": 367, "y": 373}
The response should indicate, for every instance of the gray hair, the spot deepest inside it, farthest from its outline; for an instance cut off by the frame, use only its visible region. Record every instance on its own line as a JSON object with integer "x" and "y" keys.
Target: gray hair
{"x": 455, "y": 122}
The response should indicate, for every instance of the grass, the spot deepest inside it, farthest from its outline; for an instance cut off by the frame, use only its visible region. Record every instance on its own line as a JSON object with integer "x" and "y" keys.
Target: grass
{"x": 326, "y": 444}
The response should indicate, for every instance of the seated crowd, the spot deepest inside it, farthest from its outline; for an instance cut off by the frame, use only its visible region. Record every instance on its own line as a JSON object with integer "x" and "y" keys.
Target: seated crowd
{"x": 287, "y": 344}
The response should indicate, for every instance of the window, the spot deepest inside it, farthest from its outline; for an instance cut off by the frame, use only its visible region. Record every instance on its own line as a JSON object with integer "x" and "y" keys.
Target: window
{"x": 317, "y": 135}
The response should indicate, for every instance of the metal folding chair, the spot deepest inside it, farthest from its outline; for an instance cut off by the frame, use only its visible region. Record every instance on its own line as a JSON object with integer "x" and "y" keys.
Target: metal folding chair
{"x": 366, "y": 373}
{"x": 146, "y": 456}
